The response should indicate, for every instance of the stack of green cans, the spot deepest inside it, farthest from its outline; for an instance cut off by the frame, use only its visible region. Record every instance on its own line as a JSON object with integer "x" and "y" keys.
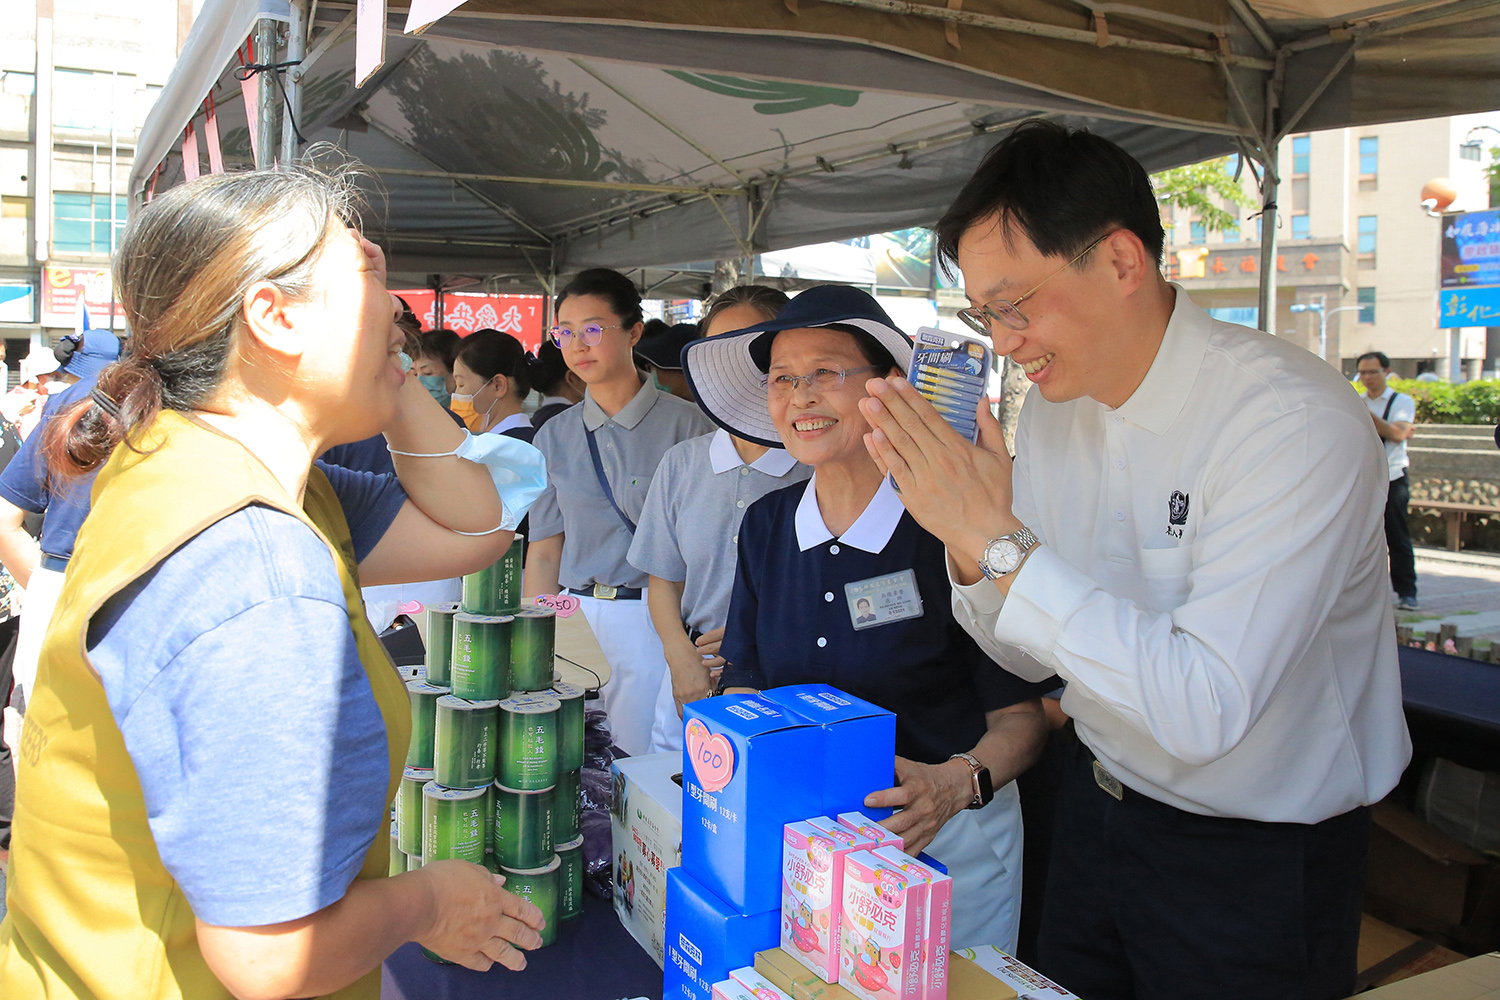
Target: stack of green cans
{"x": 496, "y": 590}
{"x": 567, "y": 801}
{"x": 439, "y": 653}
{"x": 533, "y": 644}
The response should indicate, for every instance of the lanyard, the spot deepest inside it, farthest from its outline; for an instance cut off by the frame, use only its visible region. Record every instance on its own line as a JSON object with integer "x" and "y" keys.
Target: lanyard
{"x": 609, "y": 494}
{"x": 1388, "y": 404}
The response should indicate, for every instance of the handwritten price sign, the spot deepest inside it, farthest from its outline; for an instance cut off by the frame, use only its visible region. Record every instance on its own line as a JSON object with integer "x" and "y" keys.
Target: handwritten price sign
{"x": 566, "y": 605}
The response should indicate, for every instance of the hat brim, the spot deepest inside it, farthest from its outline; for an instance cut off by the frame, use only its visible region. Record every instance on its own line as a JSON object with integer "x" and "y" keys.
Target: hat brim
{"x": 730, "y": 386}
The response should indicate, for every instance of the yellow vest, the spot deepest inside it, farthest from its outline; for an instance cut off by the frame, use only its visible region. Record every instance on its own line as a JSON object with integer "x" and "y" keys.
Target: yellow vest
{"x": 92, "y": 910}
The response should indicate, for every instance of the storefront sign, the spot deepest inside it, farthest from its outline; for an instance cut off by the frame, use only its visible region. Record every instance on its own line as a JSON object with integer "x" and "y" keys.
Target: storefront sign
{"x": 1471, "y": 250}
{"x": 464, "y": 312}
{"x": 17, "y": 302}
{"x": 62, "y": 287}
{"x": 1469, "y": 307}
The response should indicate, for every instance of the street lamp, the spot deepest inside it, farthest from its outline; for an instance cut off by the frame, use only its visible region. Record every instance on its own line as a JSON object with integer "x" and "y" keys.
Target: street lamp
{"x": 1323, "y": 314}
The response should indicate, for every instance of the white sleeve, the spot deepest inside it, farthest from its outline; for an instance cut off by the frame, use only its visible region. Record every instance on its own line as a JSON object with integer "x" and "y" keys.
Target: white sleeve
{"x": 1403, "y": 408}
{"x": 1291, "y": 508}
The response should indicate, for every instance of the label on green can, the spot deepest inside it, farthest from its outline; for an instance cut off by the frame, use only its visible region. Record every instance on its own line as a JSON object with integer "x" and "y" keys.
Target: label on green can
{"x": 424, "y": 698}
{"x": 528, "y": 742}
{"x": 523, "y": 827}
{"x": 570, "y": 879}
{"x": 409, "y": 808}
{"x": 496, "y": 589}
{"x": 440, "y": 640}
{"x": 480, "y": 667}
{"x": 567, "y": 805}
{"x": 569, "y": 726}
{"x": 452, "y": 823}
{"x": 533, "y": 643}
{"x": 464, "y": 745}
{"x": 541, "y": 887}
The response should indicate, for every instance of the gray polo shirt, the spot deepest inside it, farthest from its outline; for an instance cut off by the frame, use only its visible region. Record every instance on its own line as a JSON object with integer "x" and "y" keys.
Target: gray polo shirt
{"x": 689, "y": 530}
{"x": 631, "y": 444}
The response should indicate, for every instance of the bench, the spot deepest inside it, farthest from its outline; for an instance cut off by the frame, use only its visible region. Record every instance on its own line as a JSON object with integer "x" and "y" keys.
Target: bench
{"x": 1454, "y": 515}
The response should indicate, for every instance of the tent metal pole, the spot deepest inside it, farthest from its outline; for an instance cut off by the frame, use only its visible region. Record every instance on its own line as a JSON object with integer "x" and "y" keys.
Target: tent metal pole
{"x": 265, "y": 55}
{"x": 1270, "y": 182}
{"x": 296, "y": 49}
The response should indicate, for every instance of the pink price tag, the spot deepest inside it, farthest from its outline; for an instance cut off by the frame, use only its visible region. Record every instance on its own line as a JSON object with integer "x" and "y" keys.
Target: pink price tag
{"x": 410, "y": 608}
{"x": 564, "y": 604}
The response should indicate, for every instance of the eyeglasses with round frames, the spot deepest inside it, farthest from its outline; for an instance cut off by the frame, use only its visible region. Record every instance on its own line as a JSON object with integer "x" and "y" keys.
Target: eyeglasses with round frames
{"x": 823, "y": 379}
{"x": 589, "y": 333}
{"x": 1005, "y": 311}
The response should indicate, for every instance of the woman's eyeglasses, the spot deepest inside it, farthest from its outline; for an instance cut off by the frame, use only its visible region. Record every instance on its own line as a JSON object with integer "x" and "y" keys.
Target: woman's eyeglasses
{"x": 823, "y": 379}
{"x": 1004, "y": 311}
{"x": 589, "y": 333}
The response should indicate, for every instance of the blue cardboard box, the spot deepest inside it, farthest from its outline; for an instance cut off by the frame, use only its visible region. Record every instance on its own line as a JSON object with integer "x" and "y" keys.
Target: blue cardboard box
{"x": 706, "y": 937}
{"x": 749, "y": 768}
{"x": 859, "y": 750}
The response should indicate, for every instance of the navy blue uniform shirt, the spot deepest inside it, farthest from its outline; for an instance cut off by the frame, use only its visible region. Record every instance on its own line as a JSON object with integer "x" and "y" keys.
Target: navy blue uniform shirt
{"x": 790, "y": 622}
{"x": 24, "y": 481}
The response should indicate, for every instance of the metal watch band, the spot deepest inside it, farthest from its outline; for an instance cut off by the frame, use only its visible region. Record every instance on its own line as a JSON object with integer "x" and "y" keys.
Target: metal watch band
{"x": 1024, "y": 539}
{"x": 974, "y": 768}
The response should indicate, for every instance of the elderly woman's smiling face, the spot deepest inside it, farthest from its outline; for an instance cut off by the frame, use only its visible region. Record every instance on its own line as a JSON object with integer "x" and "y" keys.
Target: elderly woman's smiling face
{"x": 819, "y": 424}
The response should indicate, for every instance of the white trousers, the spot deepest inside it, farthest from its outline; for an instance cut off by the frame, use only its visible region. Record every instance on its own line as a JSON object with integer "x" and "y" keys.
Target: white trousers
{"x": 36, "y": 614}
{"x": 982, "y": 849}
{"x": 638, "y": 667}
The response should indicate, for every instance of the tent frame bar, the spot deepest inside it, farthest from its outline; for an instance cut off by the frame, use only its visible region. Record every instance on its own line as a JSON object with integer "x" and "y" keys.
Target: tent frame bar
{"x": 559, "y": 182}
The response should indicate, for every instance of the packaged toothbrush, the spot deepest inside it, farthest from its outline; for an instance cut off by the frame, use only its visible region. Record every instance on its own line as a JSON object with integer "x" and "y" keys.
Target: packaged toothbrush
{"x": 952, "y": 372}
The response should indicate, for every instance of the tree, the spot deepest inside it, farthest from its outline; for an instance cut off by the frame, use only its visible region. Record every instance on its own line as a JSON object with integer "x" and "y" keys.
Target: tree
{"x": 1203, "y": 188}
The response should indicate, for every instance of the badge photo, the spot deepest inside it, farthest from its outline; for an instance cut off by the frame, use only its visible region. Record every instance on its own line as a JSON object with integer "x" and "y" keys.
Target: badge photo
{"x": 881, "y": 600}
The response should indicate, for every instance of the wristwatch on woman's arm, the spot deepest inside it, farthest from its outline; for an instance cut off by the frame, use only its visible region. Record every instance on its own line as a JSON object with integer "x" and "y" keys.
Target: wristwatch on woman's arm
{"x": 980, "y": 776}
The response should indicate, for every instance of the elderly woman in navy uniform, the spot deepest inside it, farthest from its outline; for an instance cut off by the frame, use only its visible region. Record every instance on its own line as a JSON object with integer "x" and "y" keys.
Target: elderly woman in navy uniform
{"x": 814, "y": 556}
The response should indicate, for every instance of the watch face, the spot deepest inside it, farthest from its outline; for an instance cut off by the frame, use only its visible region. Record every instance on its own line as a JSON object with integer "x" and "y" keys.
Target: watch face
{"x": 1003, "y": 556}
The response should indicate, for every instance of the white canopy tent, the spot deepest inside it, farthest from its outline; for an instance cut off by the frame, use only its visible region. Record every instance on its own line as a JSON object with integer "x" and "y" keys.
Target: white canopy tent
{"x": 516, "y": 139}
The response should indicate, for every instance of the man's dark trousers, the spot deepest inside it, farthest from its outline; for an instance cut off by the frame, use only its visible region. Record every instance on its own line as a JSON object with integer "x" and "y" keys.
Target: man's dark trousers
{"x": 1398, "y": 538}
{"x": 1148, "y": 902}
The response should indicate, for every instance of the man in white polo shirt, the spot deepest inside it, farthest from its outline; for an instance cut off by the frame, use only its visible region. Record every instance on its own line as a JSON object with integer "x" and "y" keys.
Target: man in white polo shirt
{"x": 1191, "y": 537}
{"x": 1395, "y": 416}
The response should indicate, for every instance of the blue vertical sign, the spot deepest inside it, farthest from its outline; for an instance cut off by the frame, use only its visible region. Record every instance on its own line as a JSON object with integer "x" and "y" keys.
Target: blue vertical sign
{"x": 1469, "y": 270}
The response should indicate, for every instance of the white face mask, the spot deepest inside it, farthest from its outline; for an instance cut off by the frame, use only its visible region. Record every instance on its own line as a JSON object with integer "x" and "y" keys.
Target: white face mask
{"x": 518, "y": 470}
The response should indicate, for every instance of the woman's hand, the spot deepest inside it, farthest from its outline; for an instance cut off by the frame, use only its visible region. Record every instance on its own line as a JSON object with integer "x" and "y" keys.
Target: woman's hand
{"x": 927, "y": 796}
{"x": 708, "y": 648}
{"x": 475, "y": 922}
{"x": 692, "y": 679}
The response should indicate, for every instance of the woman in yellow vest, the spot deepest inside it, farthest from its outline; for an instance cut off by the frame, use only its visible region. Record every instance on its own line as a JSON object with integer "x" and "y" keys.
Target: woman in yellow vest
{"x": 216, "y": 735}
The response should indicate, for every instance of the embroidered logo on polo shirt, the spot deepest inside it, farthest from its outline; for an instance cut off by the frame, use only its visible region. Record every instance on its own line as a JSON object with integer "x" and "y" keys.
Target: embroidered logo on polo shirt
{"x": 1177, "y": 512}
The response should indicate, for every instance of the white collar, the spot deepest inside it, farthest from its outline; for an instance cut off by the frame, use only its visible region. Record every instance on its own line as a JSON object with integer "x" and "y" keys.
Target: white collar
{"x": 550, "y": 400}
{"x": 869, "y": 532}
{"x": 723, "y": 457}
{"x": 514, "y": 420}
{"x": 1161, "y": 395}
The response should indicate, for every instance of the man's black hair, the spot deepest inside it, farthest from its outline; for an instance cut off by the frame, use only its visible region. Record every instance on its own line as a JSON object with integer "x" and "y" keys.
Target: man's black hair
{"x": 1061, "y": 188}
{"x": 611, "y": 286}
{"x": 1385, "y": 362}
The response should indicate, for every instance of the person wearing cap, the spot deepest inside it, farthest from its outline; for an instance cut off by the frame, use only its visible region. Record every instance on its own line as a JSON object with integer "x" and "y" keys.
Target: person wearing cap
{"x": 1191, "y": 535}
{"x": 807, "y": 555}
{"x": 690, "y": 525}
{"x": 26, "y": 488}
{"x": 660, "y": 356}
{"x": 601, "y": 456}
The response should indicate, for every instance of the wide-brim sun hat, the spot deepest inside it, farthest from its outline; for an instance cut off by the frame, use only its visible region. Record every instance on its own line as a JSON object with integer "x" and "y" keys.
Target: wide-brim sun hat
{"x": 665, "y": 349}
{"x": 97, "y": 350}
{"x": 727, "y": 373}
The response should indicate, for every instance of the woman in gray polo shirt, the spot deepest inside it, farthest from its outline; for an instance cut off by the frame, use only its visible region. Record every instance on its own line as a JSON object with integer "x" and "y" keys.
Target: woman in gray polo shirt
{"x": 601, "y": 456}
{"x": 689, "y": 529}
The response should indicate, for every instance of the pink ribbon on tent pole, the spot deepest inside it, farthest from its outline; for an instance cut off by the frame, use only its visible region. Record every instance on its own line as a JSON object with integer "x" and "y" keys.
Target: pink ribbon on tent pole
{"x": 211, "y": 139}
{"x": 250, "y": 91}
{"x": 190, "y": 153}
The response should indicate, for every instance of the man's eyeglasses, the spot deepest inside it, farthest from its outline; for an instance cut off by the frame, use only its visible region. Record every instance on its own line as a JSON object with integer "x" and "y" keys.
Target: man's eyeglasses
{"x": 1005, "y": 311}
{"x": 823, "y": 379}
{"x": 589, "y": 333}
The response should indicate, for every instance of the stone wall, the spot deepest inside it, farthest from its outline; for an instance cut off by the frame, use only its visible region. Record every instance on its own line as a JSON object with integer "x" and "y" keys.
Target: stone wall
{"x": 1460, "y": 464}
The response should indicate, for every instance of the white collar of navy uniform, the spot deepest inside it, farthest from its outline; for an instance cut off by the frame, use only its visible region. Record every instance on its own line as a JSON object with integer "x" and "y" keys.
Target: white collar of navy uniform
{"x": 723, "y": 457}
{"x": 870, "y": 531}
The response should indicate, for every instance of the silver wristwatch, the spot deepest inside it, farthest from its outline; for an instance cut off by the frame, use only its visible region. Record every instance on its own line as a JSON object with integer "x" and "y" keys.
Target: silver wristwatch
{"x": 1004, "y": 555}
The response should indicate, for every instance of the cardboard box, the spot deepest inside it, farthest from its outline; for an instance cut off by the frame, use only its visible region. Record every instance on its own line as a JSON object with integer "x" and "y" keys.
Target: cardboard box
{"x": 707, "y": 938}
{"x": 859, "y": 754}
{"x": 812, "y": 892}
{"x": 731, "y": 989}
{"x": 747, "y": 767}
{"x": 880, "y": 942}
{"x": 757, "y": 984}
{"x": 1025, "y": 980}
{"x": 1476, "y": 979}
{"x": 1425, "y": 881}
{"x": 966, "y": 981}
{"x": 646, "y": 836}
{"x": 937, "y": 931}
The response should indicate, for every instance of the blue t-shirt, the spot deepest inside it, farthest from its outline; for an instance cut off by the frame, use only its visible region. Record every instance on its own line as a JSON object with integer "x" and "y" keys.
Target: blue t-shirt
{"x": 233, "y": 675}
{"x": 370, "y": 455}
{"x": 24, "y": 481}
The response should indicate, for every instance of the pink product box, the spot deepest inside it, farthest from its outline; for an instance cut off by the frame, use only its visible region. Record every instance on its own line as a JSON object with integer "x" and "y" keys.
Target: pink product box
{"x": 867, "y": 827}
{"x": 731, "y": 989}
{"x": 938, "y": 927}
{"x": 812, "y": 878}
{"x": 758, "y": 987}
{"x": 880, "y": 939}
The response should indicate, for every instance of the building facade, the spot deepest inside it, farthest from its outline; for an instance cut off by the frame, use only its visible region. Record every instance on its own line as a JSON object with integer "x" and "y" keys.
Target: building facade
{"x": 1354, "y": 238}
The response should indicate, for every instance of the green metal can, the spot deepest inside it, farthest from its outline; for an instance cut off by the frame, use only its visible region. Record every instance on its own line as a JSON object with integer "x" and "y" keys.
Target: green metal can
{"x": 409, "y": 808}
{"x": 496, "y": 589}
{"x": 480, "y": 669}
{"x": 491, "y": 863}
{"x": 424, "y": 698}
{"x": 569, "y": 726}
{"x": 567, "y": 806}
{"x": 413, "y": 862}
{"x": 464, "y": 748}
{"x": 439, "y": 655}
{"x": 398, "y": 857}
{"x": 452, "y": 826}
{"x": 570, "y": 879}
{"x": 533, "y": 643}
{"x": 523, "y": 827}
{"x": 540, "y": 886}
{"x": 528, "y": 742}
{"x": 489, "y": 817}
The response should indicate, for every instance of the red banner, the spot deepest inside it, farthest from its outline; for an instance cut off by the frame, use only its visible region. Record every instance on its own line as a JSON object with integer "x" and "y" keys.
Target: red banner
{"x": 464, "y": 312}
{"x": 62, "y": 287}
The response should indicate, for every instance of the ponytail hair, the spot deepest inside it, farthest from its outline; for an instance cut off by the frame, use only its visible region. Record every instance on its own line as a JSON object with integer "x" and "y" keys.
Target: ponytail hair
{"x": 182, "y": 270}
